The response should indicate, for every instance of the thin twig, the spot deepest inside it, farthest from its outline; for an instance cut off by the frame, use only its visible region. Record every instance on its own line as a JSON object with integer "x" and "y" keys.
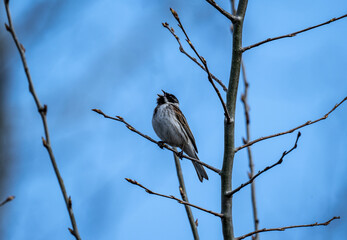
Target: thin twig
{"x": 131, "y": 128}
{"x": 265, "y": 169}
{"x": 231, "y": 17}
{"x": 289, "y": 227}
{"x": 172, "y": 31}
{"x": 42, "y": 111}
{"x": 174, "y": 198}
{"x": 183, "y": 192}
{"x": 8, "y": 199}
{"x": 226, "y": 113}
{"x": 291, "y": 130}
{"x": 233, "y": 7}
{"x": 244, "y": 99}
{"x": 292, "y": 34}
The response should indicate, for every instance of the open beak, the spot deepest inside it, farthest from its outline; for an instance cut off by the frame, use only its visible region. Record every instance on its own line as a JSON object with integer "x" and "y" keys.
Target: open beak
{"x": 163, "y": 92}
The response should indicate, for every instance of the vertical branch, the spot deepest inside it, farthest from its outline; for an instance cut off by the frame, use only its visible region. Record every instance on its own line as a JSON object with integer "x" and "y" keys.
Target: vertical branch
{"x": 42, "y": 109}
{"x": 244, "y": 99}
{"x": 229, "y": 127}
{"x": 184, "y": 196}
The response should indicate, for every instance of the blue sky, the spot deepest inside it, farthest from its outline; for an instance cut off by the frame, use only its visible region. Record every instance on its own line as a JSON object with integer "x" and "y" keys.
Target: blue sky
{"x": 116, "y": 56}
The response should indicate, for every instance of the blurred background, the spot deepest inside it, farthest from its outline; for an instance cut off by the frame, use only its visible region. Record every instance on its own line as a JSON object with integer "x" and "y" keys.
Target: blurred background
{"x": 116, "y": 56}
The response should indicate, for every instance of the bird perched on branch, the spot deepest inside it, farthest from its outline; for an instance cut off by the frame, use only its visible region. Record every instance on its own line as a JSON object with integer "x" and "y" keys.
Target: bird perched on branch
{"x": 172, "y": 128}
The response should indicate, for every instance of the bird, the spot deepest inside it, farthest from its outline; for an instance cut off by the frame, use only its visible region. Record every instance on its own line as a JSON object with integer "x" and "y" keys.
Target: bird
{"x": 172, "y": 128}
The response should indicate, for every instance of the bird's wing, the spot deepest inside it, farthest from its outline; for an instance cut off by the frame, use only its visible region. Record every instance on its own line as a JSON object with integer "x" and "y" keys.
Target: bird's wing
{"x": 183, "y": 122}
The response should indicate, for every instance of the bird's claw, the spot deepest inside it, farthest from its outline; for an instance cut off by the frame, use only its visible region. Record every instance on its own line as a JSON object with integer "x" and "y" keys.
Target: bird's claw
{"x": 180, "y": 154}
{"x": 161, "y": 144}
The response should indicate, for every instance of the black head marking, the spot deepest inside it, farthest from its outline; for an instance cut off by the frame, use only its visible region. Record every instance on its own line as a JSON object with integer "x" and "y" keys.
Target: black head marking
{"x": 170, "y": 97}
{"x": 160, "y": 99}
{"x": 166, "y": 98}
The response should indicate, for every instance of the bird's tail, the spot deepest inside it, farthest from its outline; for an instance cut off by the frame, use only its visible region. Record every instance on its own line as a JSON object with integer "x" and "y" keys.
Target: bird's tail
{"x": 200, "y": 170}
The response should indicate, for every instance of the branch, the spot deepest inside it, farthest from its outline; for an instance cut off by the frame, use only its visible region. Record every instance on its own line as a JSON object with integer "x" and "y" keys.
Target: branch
{"x": 293, "y": 129}
{"x": 244, "y": 99}
{"x": 8, "y": 199}
{"x": 233, "y": 7}
{"x": 184, "y": 196}
{"x": 42, "y": 111}
{"x": 231, "y": 17}
{"x": 131, "y": 128}
{"x": 226, "y": 113}
{"x": 292, "y": 34}
{"x": 172, "y": 31}
{"x": 284, "y": 228}
{"x": 265, "y": 169}
{"x": 229, "y": 127}
{"x": 174, "y": 198}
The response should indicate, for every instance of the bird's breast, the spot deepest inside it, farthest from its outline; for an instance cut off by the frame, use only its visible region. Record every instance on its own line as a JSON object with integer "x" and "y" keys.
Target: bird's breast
{"x": 166, "y": 126}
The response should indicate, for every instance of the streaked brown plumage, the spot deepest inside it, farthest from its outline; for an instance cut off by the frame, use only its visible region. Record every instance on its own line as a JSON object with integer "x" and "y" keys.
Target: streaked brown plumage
{"x": 172, "y": 128}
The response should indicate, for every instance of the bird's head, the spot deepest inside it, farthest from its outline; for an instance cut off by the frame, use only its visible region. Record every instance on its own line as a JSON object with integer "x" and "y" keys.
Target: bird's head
{"x": 167, "y": 98}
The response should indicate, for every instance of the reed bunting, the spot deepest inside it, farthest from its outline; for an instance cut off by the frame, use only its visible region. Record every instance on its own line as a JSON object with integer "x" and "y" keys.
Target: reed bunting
{"x": 172, "y": 128}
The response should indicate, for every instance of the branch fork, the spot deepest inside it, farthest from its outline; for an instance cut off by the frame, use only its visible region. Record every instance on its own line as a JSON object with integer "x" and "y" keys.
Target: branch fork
{"x": 172, "y": 31}
{"x": 202, "y": 59}
{"x": 231, "y": 193}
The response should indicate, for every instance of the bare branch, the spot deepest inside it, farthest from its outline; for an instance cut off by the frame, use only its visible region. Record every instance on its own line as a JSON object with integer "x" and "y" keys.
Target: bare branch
{"x": 172, "y": 31}
{"x": 131, "y": 128}
{"x": 226, "y": 113}
{"x": 42, "y": 111}
{"x": 293, "y": 129}
{"x": 244, "y": 99}
{"x": 229, "y": 127}
{"x": 8, "y": 199}
{"x": 292, "y": 34}
{"x": 183, "y": 192}
{"x": 233, "y": 7}
{"x": 265, "y": 169}
{"x": 289, "y": 227}
{"x": 173, "y": 197}
{"x": 231, "y": 17}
